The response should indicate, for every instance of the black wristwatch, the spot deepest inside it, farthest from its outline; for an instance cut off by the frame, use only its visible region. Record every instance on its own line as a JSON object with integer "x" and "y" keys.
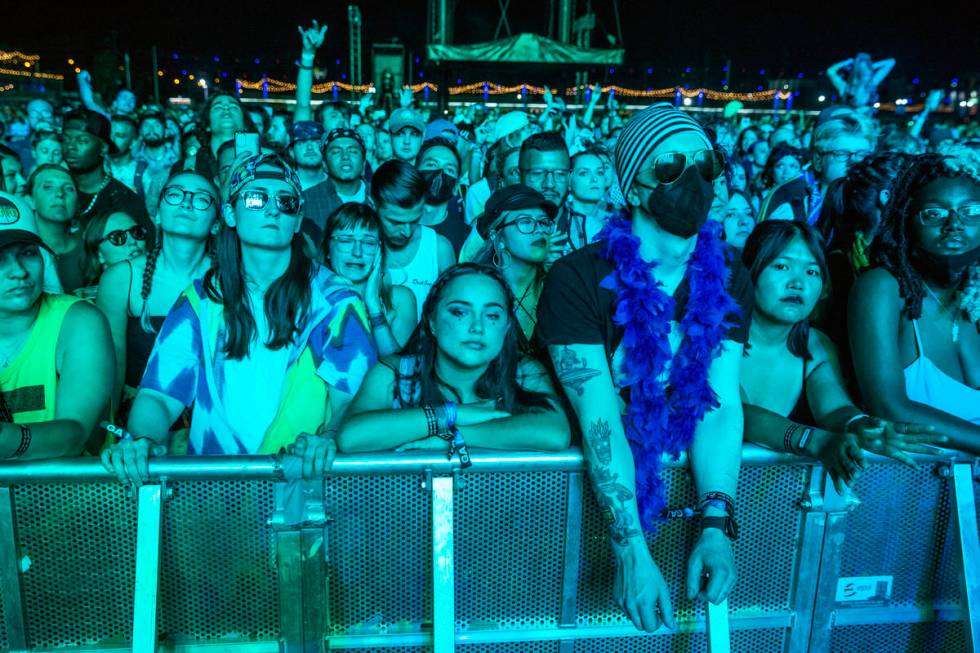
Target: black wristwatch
{"x": 727, "y": 524}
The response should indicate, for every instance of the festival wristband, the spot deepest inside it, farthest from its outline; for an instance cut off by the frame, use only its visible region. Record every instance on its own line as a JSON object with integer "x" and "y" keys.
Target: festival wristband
{"x": 458, "y": 447}
{"x": 430, "y": 421}
{"x": 804, "y": 440}
{"x": 727, "y": 503}
{"x": 377, "y": 320}
{"x": 118, "y": 431}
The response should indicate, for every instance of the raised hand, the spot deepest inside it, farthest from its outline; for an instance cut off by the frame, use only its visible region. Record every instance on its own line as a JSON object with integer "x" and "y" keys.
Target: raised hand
{"x": 313, "y": 36}
{"x": 405, "y": 97}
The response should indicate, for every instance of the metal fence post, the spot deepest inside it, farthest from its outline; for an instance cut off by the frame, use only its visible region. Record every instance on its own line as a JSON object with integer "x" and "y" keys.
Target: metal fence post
{"x": 146, "y": 599}
{"x": 302, "y": 550}
{"x": 807, "y": 567}
{"x": 443, "y": 579}
{"x": 965, "y": 523}
{"x": 10, "y": 580}
{"x": 836, "y": 508}
{"x": 716, "y": 623}
{"x": 572, "y": 558}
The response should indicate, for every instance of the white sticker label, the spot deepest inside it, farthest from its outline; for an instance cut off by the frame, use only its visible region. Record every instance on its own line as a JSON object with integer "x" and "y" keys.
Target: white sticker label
{"x": 864, "y": 588}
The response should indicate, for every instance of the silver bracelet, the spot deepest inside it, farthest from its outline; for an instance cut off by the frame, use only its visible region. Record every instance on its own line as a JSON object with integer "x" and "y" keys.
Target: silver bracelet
{"x": 855, "y": 418}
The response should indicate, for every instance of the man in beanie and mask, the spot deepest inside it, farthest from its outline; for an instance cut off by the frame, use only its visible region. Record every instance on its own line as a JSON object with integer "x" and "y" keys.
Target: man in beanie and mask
{"x": 645, "y": 328}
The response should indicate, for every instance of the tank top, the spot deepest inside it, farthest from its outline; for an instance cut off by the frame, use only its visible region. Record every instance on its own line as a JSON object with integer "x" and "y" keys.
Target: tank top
{"x": 419, "y": 275}
{"x": 139, "y": 346}
{"x": 927, "y": 384}
{"x": 29, "y": 384}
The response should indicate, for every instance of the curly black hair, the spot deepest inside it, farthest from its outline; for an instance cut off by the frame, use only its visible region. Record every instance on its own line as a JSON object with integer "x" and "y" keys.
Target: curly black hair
{"x": 892, "y": 250}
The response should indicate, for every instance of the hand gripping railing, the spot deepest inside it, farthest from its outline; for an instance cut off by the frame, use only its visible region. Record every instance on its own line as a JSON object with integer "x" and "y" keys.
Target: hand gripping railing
{"x": 804, "y": 612}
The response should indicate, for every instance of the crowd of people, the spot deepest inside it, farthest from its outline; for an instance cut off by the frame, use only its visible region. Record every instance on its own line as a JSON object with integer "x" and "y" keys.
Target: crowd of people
{"x": 236, "y": 280}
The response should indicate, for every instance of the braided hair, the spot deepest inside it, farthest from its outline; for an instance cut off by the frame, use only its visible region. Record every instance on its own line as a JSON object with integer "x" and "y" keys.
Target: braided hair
{"x": 850, "y": 202}
{"x": 154, "y": 255}
{"x": 892, "y": 250}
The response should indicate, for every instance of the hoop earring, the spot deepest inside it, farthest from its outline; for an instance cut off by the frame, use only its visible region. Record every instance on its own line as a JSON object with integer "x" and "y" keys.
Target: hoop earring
{"x": 501, "y": 262}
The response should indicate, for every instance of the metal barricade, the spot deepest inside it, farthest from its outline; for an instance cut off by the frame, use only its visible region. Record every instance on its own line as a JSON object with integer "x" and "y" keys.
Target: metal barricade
{"x": 403, "y": 552}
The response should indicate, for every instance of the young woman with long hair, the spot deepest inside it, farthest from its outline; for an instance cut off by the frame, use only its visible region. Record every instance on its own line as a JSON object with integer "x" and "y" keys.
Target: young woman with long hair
{"x": 793, "y": 392}
{"x": 462, "y": 373}
{"x": 268, "y": 347}
{"x": 913, "y": 318}
{"x": 136, "y": 295}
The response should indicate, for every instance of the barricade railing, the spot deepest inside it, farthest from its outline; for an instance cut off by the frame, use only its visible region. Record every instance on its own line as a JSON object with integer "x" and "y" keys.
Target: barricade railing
{"x": 404, "y": 552}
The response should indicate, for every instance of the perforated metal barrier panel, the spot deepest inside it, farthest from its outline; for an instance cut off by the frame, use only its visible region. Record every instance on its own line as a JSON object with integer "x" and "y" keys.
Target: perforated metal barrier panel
{"x": 531, "y": 565}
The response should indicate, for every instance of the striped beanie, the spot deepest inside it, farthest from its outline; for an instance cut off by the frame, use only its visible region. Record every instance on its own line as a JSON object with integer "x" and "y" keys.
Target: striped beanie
{"x": 644, "y": 132}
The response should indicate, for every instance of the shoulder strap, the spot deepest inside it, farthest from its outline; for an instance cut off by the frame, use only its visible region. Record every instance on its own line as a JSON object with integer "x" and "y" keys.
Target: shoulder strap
{"x": 918, "y": 340}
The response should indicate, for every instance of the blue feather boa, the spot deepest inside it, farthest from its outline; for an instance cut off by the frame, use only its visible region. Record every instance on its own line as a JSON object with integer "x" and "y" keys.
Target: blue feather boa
{"x": 662, "y": 419}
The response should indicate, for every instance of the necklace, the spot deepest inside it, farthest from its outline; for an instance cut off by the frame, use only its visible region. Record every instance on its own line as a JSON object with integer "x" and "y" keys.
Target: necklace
{"x": 95, "y": 197}
{"x": 520, "y": 302}
{"x": 943, "y": 306}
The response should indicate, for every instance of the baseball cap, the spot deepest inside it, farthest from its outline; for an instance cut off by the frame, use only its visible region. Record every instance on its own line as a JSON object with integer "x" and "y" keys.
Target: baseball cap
{"x": 405, "y": 117}
{"x": 17, "y": 222}
{"x": 510, "y": 198}
{"x": 93, "y": 123}
{"x": 246, "y": 169}
{"x": 509, "y": 123}
{"x": 343, "y": 132}
{"x": 439, "y": 128}
{"x": 305, "y": 130}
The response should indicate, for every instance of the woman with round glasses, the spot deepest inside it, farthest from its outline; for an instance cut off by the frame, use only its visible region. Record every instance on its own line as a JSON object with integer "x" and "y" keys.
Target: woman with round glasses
{"x": 109, "y": 239}
{"x": 268, "y": 347}
{"x": 517, "y": 225}
{"x": 136, "y": 294}
{"x": 462, "y": 379}
{"x": 913, "y": 319}
{"x": 352, "y": 248}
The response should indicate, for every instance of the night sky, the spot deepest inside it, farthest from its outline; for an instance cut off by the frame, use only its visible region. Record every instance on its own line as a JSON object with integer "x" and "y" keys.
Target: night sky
{"x": 783, "y": 39}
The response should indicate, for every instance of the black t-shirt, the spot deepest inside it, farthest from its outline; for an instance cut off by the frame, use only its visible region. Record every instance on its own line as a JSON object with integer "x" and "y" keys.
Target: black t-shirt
{"x": 115, "y": 197}
{"x": 574, "y": 309}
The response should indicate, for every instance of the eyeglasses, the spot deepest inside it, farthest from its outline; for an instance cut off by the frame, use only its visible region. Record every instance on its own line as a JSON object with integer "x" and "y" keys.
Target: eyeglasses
{"x": 845, "y": 156}
{"x": 935, "y": 216}
{"x": 537, "y": 175}
{"x": 255, "y": 200}
{"x": 119, "y": 237}
{"x": 175, "y": 196}
{"x": 669, "y": 166}
{"x": 345, "y": 244}
{"x": 528, "y": 225}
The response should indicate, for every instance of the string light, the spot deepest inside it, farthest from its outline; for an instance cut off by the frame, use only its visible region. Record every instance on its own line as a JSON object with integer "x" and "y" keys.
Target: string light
{"x": 28, "y": 73}
{"x": 16, "y": 57}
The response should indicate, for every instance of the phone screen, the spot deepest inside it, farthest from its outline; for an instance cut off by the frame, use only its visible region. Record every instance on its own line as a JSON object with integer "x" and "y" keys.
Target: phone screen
{"x": 246, "y": 143}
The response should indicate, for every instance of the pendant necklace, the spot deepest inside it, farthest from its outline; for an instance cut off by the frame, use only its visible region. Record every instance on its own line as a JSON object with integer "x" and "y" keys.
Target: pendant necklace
{"x": 942, "y": 305}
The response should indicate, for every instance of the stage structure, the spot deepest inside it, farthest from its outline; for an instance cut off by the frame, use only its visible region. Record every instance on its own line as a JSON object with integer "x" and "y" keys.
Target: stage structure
{"x": 571, "y": 47}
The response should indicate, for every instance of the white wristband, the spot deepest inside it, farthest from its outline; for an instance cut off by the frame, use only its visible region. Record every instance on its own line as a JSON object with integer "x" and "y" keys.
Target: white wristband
{"x": 854, "y": 419}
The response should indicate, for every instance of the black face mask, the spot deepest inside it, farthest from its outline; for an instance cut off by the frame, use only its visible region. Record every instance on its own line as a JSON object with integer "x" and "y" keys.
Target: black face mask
{"x": 681, "y": 208}
{"x": 439, "y": 186}
{"x": 946, "y": 270}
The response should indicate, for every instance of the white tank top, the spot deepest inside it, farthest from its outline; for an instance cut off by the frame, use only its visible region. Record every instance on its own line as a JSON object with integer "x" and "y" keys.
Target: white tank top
{"x": 419, "y": 275}
{"x": 927, "y": 384}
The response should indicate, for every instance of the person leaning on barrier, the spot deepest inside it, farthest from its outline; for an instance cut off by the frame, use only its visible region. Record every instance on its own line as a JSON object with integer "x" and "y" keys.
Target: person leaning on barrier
{"x": 649, "y": 295}
{"x": 258, "y": 378}
{"x": 786, "y": 262}
{"x": 913, "y": 320}
{"x": 55, "y": 352}
{"x": 462, "y": 373}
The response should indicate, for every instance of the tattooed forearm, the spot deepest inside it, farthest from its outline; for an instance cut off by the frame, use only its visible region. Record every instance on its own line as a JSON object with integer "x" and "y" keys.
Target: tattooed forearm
{"x": 573, "y": 371}
{"x": 612, "y": 495}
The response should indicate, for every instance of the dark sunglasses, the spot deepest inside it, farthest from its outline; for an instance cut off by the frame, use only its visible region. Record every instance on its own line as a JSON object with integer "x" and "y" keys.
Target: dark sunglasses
{"x": 120, "y": 236}
{"x": 255, "y": 200}
{"x": 669, "y": 166}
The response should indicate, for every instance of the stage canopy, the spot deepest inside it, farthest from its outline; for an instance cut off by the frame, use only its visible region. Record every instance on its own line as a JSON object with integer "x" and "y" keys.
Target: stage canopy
{"x": 525, "y": 48}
